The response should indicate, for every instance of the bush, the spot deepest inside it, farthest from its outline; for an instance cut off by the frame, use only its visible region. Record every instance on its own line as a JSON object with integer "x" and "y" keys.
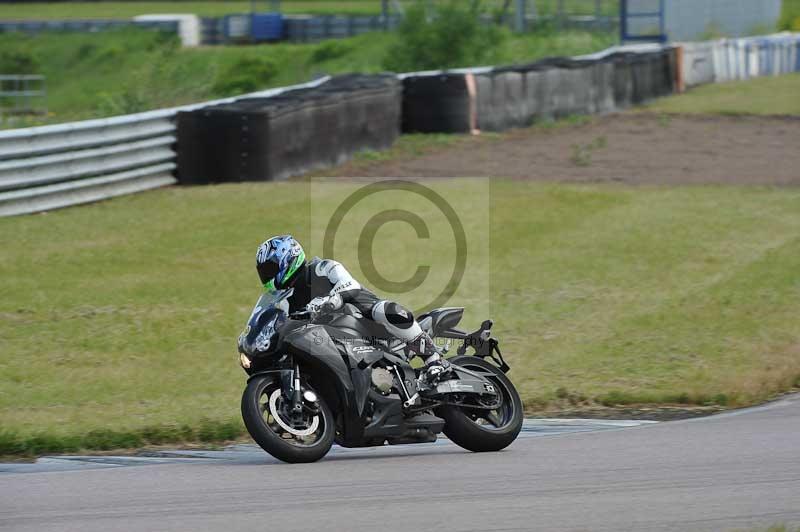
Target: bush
{"x": 329, "y": 50}
{"x": 111, "y": 53}
{"x": 160, "y": 81}
{"x": 85, "y": 51}
{"x": 129, "y": 100}
{"x": 18, "y": 62}
{"x": 11, "y": 444}
{"x": 790, "y": 16}
{"x": 790, "y": 24}
{"x": 248, "y": 74}
{"x": 452, "y": 37}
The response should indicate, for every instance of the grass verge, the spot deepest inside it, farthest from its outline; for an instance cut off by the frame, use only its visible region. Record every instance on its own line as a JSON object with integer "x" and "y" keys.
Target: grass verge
{"x": 119, "y": 328}
{"x": 407, "y": 146}
{"x": 132, "y": 70}
{"x": 790, "y": 16}
{"x": 60, "y": 10}
{"x": 760, "y": 96}
{"x": 104, "y": 10}
{"x": 601, "y": 295}
{"x": 12, "y": 444}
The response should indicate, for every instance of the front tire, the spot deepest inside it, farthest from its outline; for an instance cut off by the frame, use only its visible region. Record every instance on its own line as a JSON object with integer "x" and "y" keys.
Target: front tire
{"x": 467, "y": 428}
{"x": 273, "y": 429}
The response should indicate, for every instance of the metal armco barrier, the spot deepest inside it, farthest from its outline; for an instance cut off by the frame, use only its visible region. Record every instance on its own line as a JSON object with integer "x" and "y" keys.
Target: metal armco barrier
{"x": 88, "y": 25}
{"x": 295, "y": 28}
{"x": 48, "y": 167}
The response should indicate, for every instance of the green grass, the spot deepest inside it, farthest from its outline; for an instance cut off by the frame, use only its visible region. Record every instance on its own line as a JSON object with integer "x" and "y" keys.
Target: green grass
{"x": 412, "y": 145}
{"x": 65, "y": 10}
{"x": 118, "y": 72}
{"x": 761, "y": 96}
{"x": 790, "y": 16}
{"x": 118, "y": 321}
{"x": 88, "y": 10}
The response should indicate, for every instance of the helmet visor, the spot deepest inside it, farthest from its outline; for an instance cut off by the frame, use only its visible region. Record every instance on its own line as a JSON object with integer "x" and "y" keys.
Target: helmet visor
{"x": 267, "y": 271}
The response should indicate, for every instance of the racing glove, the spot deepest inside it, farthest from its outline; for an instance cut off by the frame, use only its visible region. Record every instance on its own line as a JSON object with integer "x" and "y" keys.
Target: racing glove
{"x": 324, "y": 304}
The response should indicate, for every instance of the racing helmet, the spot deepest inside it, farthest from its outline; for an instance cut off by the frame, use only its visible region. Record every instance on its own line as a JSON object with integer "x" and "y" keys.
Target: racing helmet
{"x": 279, "y": 262}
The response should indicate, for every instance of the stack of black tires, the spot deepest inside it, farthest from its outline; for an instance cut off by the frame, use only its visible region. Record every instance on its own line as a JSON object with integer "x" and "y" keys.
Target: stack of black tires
{"x": 519, "y": 95}
{"x": 262, "y": 139}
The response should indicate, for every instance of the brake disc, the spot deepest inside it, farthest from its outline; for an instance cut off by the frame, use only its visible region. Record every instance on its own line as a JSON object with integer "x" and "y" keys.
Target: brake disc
{"x": 275, "y": 412}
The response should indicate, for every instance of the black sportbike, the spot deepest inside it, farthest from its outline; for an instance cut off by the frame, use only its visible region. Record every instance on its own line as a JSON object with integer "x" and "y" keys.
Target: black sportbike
{"x": 337, "y": 376}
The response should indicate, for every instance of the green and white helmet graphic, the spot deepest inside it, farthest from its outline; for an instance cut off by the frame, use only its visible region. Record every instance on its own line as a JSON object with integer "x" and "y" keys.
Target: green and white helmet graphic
{"x": 278, "y": 261}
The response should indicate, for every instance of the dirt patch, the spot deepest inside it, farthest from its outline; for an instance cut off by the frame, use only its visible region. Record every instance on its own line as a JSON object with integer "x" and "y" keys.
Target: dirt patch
{"x": 633, "y": 147}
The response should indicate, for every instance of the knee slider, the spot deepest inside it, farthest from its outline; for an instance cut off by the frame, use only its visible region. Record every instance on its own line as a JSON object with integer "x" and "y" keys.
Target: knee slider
{"x": 398, "y": 315}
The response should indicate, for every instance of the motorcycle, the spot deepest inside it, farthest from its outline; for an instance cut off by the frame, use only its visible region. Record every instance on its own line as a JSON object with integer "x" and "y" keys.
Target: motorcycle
{"x": 339, "y": 377}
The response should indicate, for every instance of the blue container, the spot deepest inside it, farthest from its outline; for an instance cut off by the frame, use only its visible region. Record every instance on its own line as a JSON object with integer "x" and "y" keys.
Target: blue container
{"x": 266, "y": 27}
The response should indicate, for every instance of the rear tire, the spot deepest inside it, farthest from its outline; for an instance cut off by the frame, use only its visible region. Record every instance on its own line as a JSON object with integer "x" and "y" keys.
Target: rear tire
{"x": 465, "y": 431}
{"x": 257, "y": 415}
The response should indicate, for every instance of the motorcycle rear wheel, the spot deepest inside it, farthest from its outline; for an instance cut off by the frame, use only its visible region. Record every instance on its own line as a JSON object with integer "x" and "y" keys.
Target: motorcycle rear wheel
{"x": 270, "y": 425}
{"x": 480, "y": 430}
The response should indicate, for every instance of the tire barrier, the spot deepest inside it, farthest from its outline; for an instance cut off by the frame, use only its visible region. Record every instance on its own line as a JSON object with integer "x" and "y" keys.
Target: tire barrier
{"x": 553, "y": 88}
{"x": 438, "y": 103}
{"x": 263, "y": 139}
{"x": 740, "y": 59}
{"x": 698, "y": 64}
{"x": 281, "y": 132}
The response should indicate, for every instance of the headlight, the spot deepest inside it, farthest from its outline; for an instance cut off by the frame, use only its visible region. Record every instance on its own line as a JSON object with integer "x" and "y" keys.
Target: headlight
{"x": 244, "y": 361}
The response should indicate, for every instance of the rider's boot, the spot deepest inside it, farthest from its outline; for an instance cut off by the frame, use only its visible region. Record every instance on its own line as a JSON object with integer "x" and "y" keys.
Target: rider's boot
{"x": 436, "y": 367}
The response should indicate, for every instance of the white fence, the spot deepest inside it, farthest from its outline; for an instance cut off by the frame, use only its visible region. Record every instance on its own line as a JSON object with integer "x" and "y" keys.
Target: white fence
{"x": 48, "y": 167}
{"x": 740, "y": 59}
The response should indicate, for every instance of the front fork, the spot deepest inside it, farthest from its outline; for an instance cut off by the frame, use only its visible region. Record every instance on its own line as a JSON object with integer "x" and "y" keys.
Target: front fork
{"x": 293, "y": 392}
{"x": 297, "y": 394}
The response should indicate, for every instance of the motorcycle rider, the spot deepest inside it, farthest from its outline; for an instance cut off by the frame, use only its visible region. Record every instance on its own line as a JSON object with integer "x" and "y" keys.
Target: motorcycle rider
{"x": 319, "y": 283}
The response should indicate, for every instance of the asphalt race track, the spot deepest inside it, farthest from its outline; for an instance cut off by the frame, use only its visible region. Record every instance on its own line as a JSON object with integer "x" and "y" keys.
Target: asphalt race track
{"x": 739, "y": 470}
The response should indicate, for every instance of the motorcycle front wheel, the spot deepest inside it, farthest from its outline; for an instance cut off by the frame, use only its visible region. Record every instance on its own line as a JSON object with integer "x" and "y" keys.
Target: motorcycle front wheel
{"x": 268, "y": 418}
{"x": 481, "y": 430}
